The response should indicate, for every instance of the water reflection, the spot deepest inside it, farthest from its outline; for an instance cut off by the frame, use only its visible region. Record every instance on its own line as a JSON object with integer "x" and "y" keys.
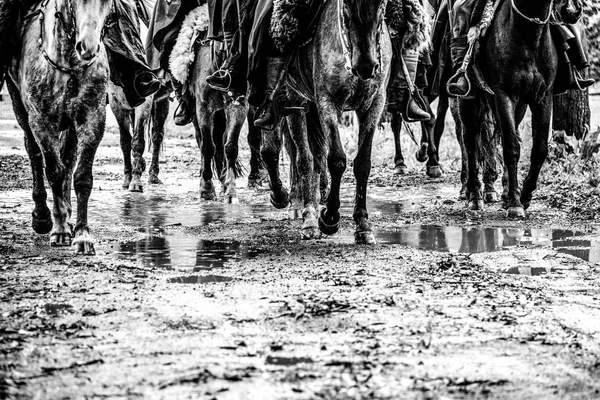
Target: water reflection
{"x": 487, "y": 239}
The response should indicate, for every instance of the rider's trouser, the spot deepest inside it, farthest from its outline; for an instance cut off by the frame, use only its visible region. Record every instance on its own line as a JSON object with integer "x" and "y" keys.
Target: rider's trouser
{"x": 460, "y": 18}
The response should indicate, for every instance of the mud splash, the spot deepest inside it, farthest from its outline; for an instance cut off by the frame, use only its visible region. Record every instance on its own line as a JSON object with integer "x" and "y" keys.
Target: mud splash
{"x": 199, "y": 279}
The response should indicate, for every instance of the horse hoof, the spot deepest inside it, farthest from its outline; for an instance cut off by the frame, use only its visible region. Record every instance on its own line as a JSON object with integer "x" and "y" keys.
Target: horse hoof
{"x": 154, "y": 180}
{"x": 295, "y": 213}
{"x": 281, "y": 201}
{"x": 207, "y": 191}
{"x": 364, "y": 237}
{"x": 490, "y": 197}
{"x": 515, "y": 213}
{"x": 126, "y": 181}
{"x": 400, "y": 170}
{"x": 136, "y": 187}
{"x": 434, "y": 171}
{"x": 462, "y": 195}
{"x": 42, "y": 224}
{"x": 476, "y": 205}
{"x": 229, "y": 199}
{"x": 421, "y": 156}
{"x": 310, "y": 232}
{"x": 61, "y": 239}
{"x": 84, "y": 245}
{"x": 328, "y": 225}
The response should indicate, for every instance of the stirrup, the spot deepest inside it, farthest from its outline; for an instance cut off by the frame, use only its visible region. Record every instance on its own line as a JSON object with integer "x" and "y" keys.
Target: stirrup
{"x": 221, "y": 73}
{"x": 454, "y": 78}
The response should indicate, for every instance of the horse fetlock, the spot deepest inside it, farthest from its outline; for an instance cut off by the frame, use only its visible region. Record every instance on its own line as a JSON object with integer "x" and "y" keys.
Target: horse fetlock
{"x": 153, "y": 179}
{"x": 475, "y": 204}
{"x": 464, "y": 193}
{"x": 41, "y": 221}
{"x": 310, "y": 226}
{"x": 127, "y": 180}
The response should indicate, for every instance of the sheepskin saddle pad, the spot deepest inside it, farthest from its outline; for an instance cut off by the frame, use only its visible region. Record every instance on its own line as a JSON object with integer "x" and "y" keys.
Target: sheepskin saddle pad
{"x": 194, "y": 27}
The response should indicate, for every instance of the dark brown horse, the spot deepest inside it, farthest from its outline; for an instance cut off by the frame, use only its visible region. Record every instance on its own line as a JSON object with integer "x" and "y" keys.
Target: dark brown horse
{"x": 347, "y": 64}
{"x": 59, "y": 97}
{"x": 521, "y": 62}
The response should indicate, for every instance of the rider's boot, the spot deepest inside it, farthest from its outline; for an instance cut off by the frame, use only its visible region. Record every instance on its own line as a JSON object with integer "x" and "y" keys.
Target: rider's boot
{"x": 400, "y": 97}
{"x": 136, "y": 80}
{"x": 231, "y": 77}
{"x": 267, "y": 113}
{"x": 458, "y": 84}
{"x": 579, "y": 60}
{"x": 183, "y": 112}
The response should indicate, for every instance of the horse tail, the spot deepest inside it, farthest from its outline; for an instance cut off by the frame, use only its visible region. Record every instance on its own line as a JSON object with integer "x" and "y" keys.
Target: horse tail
{"x": 487, "y": 138}
{"x": 318, "y": 141}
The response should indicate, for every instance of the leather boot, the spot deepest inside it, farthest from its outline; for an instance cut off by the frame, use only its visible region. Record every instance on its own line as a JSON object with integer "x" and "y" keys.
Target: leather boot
{"x": 267, "y": 115}
{"x": 183, "y": 113}
{"x": 458, "y": 84}
{"x": 400, "y": 98}
{"x": 146, "y": 83}
{"x": 578, "y": 60}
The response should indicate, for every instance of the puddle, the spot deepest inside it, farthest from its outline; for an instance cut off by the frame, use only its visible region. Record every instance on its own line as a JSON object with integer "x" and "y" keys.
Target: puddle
{"x": 57, "y": 310}
{"x": 529, "y": 271}
{"x": 195, "y": 279}
{"x": 485, "y": 239}
{"x": 184, "y": 252}
{"x": 288, "y": 361}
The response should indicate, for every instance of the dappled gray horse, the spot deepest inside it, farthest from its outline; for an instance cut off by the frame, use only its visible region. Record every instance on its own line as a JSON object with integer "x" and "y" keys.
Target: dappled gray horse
{"x": 58, "y": 88}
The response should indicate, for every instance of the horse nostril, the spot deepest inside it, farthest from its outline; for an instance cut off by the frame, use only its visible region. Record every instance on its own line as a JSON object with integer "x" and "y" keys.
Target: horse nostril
{"x": 355, "y": 72}
{"x": 80, "y": 48}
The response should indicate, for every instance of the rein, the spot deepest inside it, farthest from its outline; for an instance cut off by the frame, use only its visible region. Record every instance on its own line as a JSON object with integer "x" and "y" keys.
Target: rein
{"x": 68, "y": 31}
{"x": 346, "y": 45}
{"x": 535, "y": 21}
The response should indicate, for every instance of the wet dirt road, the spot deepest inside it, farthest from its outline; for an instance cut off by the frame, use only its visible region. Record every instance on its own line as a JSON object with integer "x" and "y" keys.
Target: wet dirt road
{"x": 194, "y": 299}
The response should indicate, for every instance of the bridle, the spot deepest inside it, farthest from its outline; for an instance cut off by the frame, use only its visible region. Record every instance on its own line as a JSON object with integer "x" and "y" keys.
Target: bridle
{"x": 535, "y": 21}
{"x": 69, "y": 31}
{"x": 344, "y": 38}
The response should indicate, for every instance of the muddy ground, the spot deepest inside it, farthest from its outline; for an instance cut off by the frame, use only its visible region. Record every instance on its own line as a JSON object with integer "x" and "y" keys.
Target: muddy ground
{"x": 195, "y": 299}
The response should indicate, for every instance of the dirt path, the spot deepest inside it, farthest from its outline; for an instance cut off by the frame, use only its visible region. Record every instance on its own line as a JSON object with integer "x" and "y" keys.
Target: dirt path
{"x": 188, "y": 299}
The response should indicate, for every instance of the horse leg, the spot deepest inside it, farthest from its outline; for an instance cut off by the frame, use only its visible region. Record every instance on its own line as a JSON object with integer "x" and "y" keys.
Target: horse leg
{"x": 218, "y": 132}
{"x": 471, "y": 133}
{"x": 432, "y": 132}
{"x": 362, "y": 169}
{"x": 464, "y": 171}
{"x": 89, "y": 137}
{"x": 520, "y": 115}
{"x": 400, "y": 167}
{"x": 125, "y": 123}
{"x": 296, "y": 204}
{"x": 506, "y": 119}
{"x": 236, "y": 115}
{"x": 202, "y": 125}
{"x": 137, "y": 149}
{"x": 160, "y": 113}
{"x": 541, "y": 117}
{"x": 270, "y": 151}
{"x": 308, "y": 179}
{"x": 257, "y": 170}
{"x": 41, "y": 219}
{"x": 329, "y": 220}
{"x": 68, "y": 155}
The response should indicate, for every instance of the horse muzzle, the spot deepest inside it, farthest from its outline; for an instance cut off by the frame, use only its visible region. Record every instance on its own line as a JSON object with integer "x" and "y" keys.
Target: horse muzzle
{"x": 365, "y": 71}
{"x": 86, "y": 51}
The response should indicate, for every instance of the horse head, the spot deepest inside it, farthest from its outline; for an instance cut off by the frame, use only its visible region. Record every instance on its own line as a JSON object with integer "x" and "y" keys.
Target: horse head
{"x": 87, "y": 20}
{"x": 568, "y": 11}
{"x": 363, "y": 22}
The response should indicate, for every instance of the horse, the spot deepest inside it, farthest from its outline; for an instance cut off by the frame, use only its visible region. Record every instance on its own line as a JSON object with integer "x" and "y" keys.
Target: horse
{"x": 347, "y": 70}
{"x": 136, "y": 125}
{"x": 521, "y": 64}
{"x": 58, "y": 90}
{"x": 218, "y": 123}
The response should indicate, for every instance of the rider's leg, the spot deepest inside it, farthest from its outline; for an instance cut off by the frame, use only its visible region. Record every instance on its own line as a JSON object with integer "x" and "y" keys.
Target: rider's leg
{"x": 267, "y": 116}
{"x": 400, "y": 98}
{"x": 578, "y": 58}
{"x": 459, "y": 20}
{"x": 232, "y": 75}
{"x": 11, "y": 13}
{"x": 127, "y": 55}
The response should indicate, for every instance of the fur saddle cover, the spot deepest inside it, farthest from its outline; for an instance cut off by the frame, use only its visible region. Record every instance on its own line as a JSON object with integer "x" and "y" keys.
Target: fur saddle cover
{"x": 184, "y": 51}
{"x": 291, "y": 17}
